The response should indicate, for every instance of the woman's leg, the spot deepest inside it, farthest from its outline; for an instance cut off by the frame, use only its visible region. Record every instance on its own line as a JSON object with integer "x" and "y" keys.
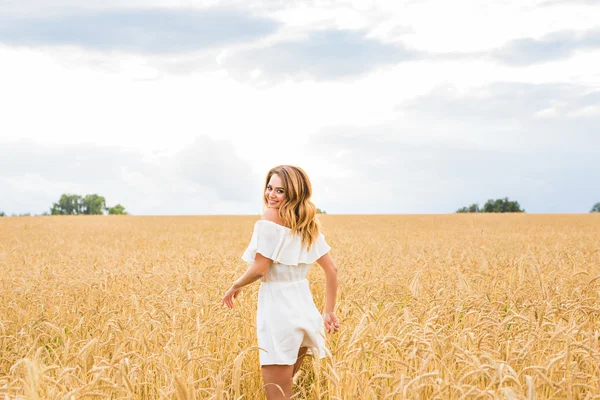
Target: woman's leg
{"x": 276, "y": 376}
{"x": 301, "y": 354}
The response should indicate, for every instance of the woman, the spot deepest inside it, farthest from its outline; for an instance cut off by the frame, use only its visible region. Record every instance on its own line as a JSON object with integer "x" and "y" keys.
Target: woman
{"x": 285, "y": 242}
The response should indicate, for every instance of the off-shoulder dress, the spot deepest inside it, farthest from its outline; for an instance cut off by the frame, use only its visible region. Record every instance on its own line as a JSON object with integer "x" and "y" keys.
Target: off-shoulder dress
{"x": 286, "y": 315}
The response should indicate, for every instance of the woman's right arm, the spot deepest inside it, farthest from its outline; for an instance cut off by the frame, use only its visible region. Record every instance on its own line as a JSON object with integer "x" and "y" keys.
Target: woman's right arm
{"x": 331, "y": 321}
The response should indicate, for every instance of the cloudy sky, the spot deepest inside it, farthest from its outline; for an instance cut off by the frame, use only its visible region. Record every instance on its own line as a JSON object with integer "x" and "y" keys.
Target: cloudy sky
{"x": 402, "y": 106}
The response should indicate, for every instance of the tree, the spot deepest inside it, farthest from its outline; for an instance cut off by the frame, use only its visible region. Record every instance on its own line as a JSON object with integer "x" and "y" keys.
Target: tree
{"x": 596, "y": 208}
{"x": 116, "y": 210}
{"x": 2, "y": 214}
{"x": 92, "y": 204}
{"x": 501, "y": 206}
{"x": 493, "y": 206}
{"x": 68, "y": 204}
{"x": 473, "y": 208}
{"x": 319, "y": 211}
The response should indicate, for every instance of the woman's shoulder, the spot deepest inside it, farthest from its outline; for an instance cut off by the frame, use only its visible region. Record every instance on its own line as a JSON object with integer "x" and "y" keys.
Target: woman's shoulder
{"x": 272, "y": 215}
{"x": 277, "y": 242}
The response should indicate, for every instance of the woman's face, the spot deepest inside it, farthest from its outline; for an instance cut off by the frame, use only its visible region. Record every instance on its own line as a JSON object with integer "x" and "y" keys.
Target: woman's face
{"x": 275, "y": 192}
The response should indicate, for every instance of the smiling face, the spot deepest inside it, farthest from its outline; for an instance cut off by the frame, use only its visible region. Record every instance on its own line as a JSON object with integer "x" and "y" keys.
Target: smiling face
{"x": 274, "y": 192}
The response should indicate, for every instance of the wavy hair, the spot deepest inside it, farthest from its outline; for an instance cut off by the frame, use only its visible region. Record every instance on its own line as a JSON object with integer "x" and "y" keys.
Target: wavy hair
{"x": 297, "y": 210}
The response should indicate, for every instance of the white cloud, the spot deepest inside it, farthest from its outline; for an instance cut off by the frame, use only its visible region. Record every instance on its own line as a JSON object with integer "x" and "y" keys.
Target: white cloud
{"x": 587, "y": 111}
{"x": 546, "y": 113}
{"x": 324, "y": 55}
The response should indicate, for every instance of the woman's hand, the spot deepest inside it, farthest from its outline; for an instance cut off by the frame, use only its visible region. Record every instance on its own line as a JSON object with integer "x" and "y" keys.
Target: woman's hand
{"x": 231, "y": 294}
{"x": 332, "y": 323}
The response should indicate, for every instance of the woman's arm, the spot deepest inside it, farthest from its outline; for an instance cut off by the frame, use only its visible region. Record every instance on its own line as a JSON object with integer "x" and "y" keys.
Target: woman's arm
{"x": 326, "y": 262}
{"x": 257, "y": 270}
{"x": 332, "y": 324}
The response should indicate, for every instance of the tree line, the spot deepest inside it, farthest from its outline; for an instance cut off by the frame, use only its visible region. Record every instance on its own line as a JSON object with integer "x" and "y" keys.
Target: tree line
{"x": 93, "y": 204}
{"x": 74, "y": 204}
{"x": 503, "y": 206}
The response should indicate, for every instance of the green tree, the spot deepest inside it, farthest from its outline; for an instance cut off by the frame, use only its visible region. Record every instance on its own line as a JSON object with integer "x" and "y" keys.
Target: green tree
{"x": 319, "y": 211}
{"x": 116, "y": 210}
{"x": 92, "y": 204}
{"x": 68, "y": 204}
{"x": 473, "y": 208}
{"x": 501, "y": 206}
{"x": 596, "y": 208}
{"x": 2, "y": 214}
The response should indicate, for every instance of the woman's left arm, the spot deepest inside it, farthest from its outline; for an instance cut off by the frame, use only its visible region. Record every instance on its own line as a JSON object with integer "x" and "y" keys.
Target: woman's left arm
{"x": 257, "y": 270}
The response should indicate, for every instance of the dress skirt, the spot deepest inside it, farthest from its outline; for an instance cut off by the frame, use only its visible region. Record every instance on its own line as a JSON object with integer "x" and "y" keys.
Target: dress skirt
{"x": 286, "y": 317}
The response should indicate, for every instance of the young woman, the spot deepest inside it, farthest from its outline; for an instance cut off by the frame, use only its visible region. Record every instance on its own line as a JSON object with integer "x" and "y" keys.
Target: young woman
{"x": 285, "y": 242}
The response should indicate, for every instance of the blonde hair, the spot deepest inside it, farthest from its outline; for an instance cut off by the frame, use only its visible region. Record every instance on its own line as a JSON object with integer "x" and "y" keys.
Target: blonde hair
{"x": 297, "y": 210}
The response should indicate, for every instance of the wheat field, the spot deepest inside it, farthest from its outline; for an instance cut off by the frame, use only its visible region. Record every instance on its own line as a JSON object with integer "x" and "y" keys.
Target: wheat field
{"x": 431, "y": 306}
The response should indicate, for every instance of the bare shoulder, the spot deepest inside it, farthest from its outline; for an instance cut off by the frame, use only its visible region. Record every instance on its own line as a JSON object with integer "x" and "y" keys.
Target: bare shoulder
{"x": 271, "y": 214}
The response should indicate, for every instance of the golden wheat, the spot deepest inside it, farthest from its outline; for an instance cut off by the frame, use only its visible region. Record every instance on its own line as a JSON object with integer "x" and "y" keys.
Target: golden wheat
{"x": 445, "y": 306}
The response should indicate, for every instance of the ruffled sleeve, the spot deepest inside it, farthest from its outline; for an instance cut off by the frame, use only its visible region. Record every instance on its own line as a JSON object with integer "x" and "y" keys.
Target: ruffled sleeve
{"x": 277, "y": 242}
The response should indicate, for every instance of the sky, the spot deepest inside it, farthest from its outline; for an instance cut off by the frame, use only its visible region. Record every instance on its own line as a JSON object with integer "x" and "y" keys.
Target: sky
{"x": 391, "y": 107}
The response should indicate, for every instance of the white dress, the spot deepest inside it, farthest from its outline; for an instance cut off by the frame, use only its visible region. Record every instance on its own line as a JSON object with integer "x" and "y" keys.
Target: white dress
{"x": 286, "y": 316}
